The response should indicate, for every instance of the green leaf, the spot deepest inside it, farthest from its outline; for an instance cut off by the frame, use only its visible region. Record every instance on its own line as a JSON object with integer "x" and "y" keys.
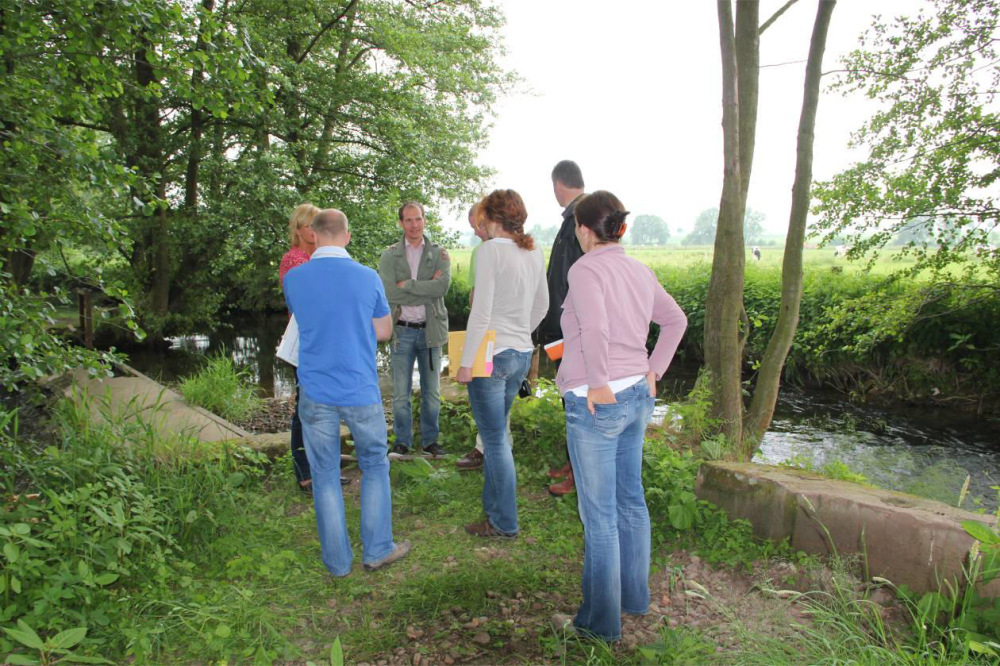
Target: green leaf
{"x": 11, "y": 552}
{"x": 106, "y": 578}
{"x": 192, "y": 515}
{"x": 21, "y": 660}
{"x": 21, "y": 529}
{"x": 25, "y": 635}
{"x": 336, "y": 653}
{"x": 980, "y": 532}
{"x": 223, "y": 631}
{"x": 15, "y": 584}
{"x": 67, "y": 639}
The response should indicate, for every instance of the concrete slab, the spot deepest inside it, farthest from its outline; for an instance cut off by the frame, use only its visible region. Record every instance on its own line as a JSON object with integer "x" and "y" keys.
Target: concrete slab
{"x": 135, "y": 396}
{"x": 906, "y": 539}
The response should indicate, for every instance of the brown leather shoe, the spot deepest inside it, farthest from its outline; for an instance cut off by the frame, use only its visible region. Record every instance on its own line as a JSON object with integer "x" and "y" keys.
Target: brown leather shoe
{"x": 560, "y": 472}
{"x": 564, "y": 487}
{"x": 484, "y": 529}
{"x": 471, "y": 460}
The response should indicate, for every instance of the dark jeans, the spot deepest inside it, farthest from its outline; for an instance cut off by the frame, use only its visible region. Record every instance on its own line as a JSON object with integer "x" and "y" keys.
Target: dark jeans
{"x": 299, "y": 461}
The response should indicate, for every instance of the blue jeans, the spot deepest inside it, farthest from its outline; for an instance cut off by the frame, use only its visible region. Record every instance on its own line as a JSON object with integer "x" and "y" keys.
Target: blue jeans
{"x": 321, "y": 431}
{"x": 491, "y": 398}
{"x": 410, "y": 344}
{"x": 606, "y": 451}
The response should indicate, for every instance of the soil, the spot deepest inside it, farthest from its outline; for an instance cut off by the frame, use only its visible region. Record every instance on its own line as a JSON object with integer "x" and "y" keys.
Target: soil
{"x": 719, "y": 603}
{"x": 275, "y": 415}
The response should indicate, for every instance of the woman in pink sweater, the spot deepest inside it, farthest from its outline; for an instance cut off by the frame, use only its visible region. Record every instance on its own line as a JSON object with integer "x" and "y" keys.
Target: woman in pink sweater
{"x": 609, "y": 384}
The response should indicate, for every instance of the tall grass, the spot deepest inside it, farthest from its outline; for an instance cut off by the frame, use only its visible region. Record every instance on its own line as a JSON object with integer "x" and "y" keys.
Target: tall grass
{"x": 222, "y": 388}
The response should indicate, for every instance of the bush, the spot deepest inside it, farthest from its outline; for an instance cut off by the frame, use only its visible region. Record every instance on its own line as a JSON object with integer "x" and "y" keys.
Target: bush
{"x": 222, "y": 388}
{"x": 109, "y": 527}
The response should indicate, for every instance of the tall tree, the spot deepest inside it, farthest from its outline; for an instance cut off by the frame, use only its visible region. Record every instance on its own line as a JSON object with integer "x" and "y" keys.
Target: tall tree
{"x": 765, "y": 393}
{"x": 649, "y": 230}
{"x": 724, "y": 313}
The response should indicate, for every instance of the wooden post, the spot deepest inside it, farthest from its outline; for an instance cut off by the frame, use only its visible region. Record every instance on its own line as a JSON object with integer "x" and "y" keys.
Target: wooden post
{"x": 85, "y": 300}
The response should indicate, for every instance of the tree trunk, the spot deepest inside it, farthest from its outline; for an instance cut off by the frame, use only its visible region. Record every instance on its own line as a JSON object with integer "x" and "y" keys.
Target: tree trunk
{"x": 748, "y": 82}
{"x": 725, "y": 292}
{"x": 765, "y": 393}
{"x": 152, "y": 169}
{"x": 197, "y": 125}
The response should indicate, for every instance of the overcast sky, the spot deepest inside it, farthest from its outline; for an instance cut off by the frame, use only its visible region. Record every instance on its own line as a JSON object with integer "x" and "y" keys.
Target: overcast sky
{"x": 631, "y": 90}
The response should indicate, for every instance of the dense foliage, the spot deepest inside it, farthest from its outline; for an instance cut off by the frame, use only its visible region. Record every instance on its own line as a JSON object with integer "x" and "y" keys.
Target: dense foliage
{"x": 153, "y": 149}
{"x": 918, "y": 341}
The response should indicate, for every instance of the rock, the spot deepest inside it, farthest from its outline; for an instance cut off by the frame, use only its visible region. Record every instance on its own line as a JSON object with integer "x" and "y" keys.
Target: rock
{"x": 882, "y": 597}
{"x": 491, "y": 594}
{"x": 399, "y": 651}
{"x": 665, "y": 600}
{"x": 416, "y": 659}
{"x": 413, "y": 633}
{"x": 537, "y": 606}
{"x": 331, "y": 603}
{"x": 448, "y": 660}
{"x": 482, "y": 638}
{"x": 471, "y": 624}
{"x": 695, "y": 559}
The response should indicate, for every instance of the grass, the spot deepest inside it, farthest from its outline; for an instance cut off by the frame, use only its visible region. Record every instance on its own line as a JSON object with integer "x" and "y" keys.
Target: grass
{"x": 222, "y": 388}
{"x": 223, "y": 565}
{"x": 771, "y": 257}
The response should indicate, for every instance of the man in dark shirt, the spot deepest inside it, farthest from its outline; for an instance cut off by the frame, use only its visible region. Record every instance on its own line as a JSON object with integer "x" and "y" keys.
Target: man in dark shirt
{"x": 567, "y": 185}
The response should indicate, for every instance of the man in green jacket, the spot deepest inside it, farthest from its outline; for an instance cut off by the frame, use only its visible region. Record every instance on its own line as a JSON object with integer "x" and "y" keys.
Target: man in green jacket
{"x": 416, "y": 274}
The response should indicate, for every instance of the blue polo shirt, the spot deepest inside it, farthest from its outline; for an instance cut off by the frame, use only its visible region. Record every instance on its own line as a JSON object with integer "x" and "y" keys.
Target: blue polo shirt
{"x": 334, "y": 300}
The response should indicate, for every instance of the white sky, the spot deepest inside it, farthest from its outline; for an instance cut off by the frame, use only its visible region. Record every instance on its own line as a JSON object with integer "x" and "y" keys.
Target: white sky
{"x": 631, "y": 90}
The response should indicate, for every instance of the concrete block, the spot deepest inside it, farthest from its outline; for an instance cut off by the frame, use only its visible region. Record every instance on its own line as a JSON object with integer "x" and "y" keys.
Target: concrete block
{"x": 906, "y": 539}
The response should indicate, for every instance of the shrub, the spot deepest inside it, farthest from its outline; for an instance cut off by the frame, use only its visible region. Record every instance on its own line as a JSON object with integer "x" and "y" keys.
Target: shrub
{"x": 222, "y": 388}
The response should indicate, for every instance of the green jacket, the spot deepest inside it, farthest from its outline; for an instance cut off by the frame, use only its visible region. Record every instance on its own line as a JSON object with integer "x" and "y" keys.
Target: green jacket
{"x": 393, "y": 268}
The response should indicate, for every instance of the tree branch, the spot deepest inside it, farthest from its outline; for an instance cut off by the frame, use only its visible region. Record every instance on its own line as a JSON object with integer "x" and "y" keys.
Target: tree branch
{"x": 324, "y": 29}
{"x": 774, "y": 17}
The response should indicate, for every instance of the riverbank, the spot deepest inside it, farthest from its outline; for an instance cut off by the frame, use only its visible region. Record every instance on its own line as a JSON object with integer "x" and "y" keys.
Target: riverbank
{"x": 209, "y": 553}
{"x": 155, "y": 541}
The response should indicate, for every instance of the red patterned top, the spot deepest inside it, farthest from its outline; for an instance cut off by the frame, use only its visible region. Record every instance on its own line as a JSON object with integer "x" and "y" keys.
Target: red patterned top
{"x": 294, "y": 257}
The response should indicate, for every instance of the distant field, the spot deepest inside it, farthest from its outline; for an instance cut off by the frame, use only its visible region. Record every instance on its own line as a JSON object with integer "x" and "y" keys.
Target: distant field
{"x": 675, "y": 255}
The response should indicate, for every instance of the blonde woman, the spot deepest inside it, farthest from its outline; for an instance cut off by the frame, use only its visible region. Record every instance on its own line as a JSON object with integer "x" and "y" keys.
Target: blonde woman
{"x": 303, "y": 242}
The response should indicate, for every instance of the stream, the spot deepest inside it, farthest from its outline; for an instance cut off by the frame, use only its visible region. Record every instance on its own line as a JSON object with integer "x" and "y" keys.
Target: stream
{"x": 923, "y": 451}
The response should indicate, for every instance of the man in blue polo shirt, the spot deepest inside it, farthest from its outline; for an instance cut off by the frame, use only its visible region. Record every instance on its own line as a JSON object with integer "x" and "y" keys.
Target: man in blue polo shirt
{"x": 342, "y": 314}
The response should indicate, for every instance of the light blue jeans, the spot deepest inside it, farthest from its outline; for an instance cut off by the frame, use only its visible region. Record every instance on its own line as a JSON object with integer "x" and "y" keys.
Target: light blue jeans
{"x": 491, "y": 399}
{"x": 409, "y": 345}
{"x": 606, "y": 451}
{"x": 321, "y": 432}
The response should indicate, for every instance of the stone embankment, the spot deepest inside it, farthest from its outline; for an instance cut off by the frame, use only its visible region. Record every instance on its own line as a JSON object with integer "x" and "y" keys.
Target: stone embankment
{"x": 905, "y": 539}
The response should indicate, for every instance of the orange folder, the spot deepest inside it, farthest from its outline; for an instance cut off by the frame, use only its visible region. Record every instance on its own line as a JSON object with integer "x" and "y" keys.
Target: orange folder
{"x": 482, "y": 366}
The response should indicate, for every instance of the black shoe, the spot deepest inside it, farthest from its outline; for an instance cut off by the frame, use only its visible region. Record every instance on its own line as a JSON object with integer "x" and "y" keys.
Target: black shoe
{"x": 400, "y": 449}
{"x": 344, "y": 481}
{"x": 435, "y": 450}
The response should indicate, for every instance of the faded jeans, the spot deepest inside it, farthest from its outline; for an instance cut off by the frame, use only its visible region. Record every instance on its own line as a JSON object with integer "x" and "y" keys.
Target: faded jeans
{"x": 321, "y": 431}
{"x": 491, "y": 399}
{"x": 409, "y": 345}
{"x": 606, "y": 451}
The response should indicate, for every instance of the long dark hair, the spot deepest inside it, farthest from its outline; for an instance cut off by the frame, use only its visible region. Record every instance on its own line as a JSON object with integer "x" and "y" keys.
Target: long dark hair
{"x": 506, "y": 208}
{"x": 602, "y": 213}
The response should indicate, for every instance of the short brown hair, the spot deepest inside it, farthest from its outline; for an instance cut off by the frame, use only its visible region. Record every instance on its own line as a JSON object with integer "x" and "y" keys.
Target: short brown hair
{"x": 506, "y": 208}
{"x": 568, "y": 173}
{"x": 415, "y": 204}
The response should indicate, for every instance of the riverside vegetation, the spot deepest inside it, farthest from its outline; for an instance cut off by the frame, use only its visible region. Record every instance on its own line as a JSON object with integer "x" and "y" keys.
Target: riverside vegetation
{"x": 119, "y": 544}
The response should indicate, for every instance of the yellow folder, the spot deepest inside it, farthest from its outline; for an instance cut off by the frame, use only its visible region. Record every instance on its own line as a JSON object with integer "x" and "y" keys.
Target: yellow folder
{"x": 482, "y": 366}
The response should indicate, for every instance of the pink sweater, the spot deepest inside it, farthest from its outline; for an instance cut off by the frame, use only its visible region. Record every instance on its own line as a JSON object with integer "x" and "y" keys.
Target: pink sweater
{"x": 605, "y": 321}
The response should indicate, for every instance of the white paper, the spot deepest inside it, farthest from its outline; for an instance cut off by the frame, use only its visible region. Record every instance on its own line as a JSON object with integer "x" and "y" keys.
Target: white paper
{"x": 288, "y": 348}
